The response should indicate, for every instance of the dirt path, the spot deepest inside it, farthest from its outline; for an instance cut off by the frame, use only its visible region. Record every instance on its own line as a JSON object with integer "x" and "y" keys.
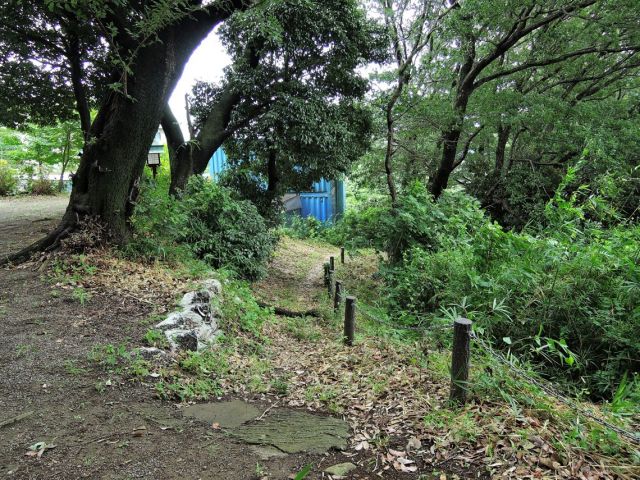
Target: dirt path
{"x": 295, "y": 275}
{"x": 101, "y": 426}
{"x": 26, "y": 219}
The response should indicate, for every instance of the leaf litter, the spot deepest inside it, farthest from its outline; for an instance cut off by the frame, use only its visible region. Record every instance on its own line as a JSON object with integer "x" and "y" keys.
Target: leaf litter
{"x": 397, "y": 408}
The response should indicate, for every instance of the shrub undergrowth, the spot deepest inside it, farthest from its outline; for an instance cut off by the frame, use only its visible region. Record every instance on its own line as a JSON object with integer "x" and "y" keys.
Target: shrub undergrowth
{"x": 565, "y": 297}
{"x": 8, "y": 179}
{"x": 207, "y": 223}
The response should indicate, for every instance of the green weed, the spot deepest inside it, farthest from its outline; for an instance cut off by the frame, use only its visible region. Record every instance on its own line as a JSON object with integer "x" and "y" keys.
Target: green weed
{"x": 23, "y": 349}
{"x": 189, "y": 389}
{"x": 207, "y": 363}
{"x": 110, "y": 356}
{"x": 71, "y": 367}
{"x": 280, "y": 386}
{"x": 81, "y": 295}
{"x": 155, "y": 338}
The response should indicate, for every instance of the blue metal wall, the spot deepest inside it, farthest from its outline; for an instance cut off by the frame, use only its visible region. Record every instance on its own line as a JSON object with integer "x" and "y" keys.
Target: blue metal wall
{"x": 321, "y": 203}
{"x": 317, "y": 204}
{"x": 218, "y": 163}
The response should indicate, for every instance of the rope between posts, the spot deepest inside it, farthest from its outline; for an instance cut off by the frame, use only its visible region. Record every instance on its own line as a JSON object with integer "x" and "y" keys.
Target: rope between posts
{"x": 366, "y": 311}
{"x": 544, "y": 386}
{"x": 549, "y": 390}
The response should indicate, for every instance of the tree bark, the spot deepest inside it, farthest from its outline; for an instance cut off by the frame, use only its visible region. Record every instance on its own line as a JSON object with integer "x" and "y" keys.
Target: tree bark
{"x": 77, "y": 76}
{"x": 450, "y": 139}
{"x": 216, "y": 128}
{"x": 180, "y": 152}
{"x": 501, "y": 148}
{"x": 451, "y": 136}
{"x": 187, "y": 159}
{"x": 66, "y": 152}
{"x": 214, "y": 131}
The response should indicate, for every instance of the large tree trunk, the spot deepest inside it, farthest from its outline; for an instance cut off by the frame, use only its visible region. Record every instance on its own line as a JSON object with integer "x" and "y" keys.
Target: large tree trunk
{"x": 187, "y": 159}
{"x": 106, "y": 182}
{"x": 105, "y": 185}
{"x": 451, "y": 134}
{"x": 450, "y": 140}
{"x": 180, "y": 152}
{"x": 216, "y": 129}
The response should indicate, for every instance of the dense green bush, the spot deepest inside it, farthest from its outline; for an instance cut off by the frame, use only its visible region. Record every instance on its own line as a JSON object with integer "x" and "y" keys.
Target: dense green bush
{"x": 224, "y": 231}
{"x": 206, "y": 221}
{"x": 8, "y": 180}
{"x": 417, "y": 221}
{"x": 566, "y": 298}
{"x": 303, "y": 227}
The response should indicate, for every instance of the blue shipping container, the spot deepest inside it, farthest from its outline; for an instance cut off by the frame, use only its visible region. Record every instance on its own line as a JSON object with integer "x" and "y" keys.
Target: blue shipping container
{"x": 326, "y": 202}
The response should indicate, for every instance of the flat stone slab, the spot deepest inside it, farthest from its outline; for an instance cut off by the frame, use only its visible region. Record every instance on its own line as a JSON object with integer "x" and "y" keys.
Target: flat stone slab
{"x": 227, "y": 414}
{"x": 292, "y": 431}
{"x": 267, "y": 452}
{"x": 341, "y": 469}
{"x": 158, "y": 416}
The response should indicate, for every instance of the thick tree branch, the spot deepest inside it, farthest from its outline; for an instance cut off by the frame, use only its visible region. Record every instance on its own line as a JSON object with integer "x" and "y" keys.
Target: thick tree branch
{"x": 518, "y": 31}
{"x": 467, "y": 145}
{"x": 171, "y": 128}
{"x": 550, "y": 61}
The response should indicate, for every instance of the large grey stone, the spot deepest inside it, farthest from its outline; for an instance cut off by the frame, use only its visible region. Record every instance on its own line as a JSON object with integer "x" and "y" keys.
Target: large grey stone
{"x": 196, "y": 319}
{"x": 206, "y": 335}
{"x": 202, "y": 309}
{"x": 150, "y": 353}
{"x": 227, "y": 414}
{"x": 184, "y": 320}
{"x": 213, "y": 286}
{"x": 195, "y": 298}
{"x": 292, "y": 431}
{"x": 180, "y": 339}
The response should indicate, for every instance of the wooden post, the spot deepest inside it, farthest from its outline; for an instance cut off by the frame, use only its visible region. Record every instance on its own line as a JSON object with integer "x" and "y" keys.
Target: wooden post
{"x": 349, "y": 320}
{"x": 342, "y": 255}
{"x": 337, "y": 300}
{"x": 326, "y": 274}
{"x": 330, "y": 284}
{"x": 332, "y": 263}
{"x": 460, "y": 360}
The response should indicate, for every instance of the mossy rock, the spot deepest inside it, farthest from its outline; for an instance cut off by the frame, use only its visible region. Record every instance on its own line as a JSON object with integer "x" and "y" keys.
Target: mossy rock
{"x": 294, "y": 432}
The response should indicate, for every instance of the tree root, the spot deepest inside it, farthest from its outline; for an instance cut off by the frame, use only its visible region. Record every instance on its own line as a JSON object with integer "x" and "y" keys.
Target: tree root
{"x": 290, "y": 313}
{"x": 49, "y": 243}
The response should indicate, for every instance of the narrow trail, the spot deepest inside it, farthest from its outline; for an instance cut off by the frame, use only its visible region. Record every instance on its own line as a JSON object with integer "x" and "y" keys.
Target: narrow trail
{"x": 295, "y": 278}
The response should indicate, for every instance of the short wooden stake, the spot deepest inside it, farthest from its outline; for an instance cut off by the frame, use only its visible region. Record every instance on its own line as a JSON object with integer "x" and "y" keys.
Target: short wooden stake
{"x": 330, "y": 284}
{"x": 460, "y": 360}
{"x": 337, "y": 300}
{"x": 342, "y": 255}
{"x": 332, "y": 263}
{"x": 349, "y": 320}
{"x": 326, "y": 274}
